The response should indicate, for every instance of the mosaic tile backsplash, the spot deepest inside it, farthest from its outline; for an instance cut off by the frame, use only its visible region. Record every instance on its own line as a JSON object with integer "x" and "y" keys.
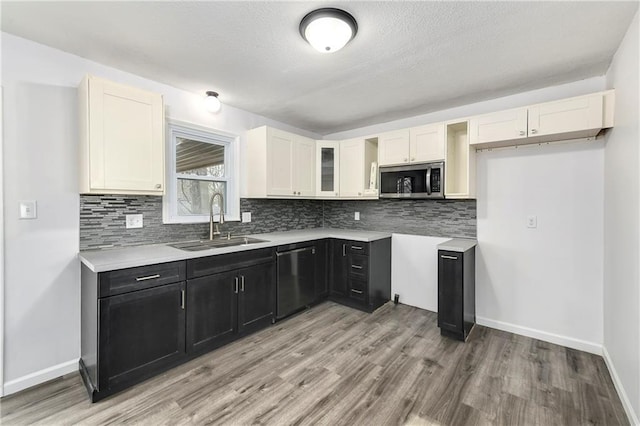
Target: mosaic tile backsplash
{"x": 102, "y": 218}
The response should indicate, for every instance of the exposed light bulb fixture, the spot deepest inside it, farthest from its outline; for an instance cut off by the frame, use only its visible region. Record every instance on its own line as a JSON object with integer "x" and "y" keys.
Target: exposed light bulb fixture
{"x": 328, "y": 29}
{"x": 211, "y": 102}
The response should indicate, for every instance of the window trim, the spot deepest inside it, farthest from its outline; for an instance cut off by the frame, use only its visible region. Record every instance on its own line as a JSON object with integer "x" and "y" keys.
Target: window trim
{"x": 231, "y": 142}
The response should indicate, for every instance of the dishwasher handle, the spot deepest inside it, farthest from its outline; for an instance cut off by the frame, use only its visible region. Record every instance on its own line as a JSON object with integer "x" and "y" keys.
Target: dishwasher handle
{"x": 313, "y": 251}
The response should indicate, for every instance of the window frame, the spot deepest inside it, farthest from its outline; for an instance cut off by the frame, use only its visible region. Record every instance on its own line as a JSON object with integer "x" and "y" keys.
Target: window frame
{"x": 182, "y": 129}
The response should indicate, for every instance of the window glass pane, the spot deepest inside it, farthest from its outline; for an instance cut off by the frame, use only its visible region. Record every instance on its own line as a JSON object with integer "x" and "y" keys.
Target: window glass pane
{"x": 199, "y": 158}
{"x": 194, "y": 196}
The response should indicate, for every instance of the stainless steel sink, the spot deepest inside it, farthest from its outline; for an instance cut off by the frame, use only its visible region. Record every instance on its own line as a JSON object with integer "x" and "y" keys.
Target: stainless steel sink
{"x": 217, "y": 243}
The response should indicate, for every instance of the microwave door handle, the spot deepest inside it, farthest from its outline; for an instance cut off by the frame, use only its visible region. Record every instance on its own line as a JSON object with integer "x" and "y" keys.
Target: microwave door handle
{"x": 428, "y": 180}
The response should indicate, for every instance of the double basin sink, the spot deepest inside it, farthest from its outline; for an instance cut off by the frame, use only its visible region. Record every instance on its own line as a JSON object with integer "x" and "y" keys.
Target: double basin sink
{"x": 198, "y": 245}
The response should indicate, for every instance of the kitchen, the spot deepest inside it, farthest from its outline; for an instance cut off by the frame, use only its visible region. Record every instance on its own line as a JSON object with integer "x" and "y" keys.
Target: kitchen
{"x": 576, "y": 272}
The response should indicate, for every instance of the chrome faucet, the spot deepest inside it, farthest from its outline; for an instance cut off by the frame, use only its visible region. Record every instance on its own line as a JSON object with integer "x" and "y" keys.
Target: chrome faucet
{"x": 215, "y": 229}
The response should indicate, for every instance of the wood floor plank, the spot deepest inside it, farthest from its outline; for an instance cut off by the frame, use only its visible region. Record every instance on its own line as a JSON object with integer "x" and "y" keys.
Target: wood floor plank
{"x": 332, "y": 365}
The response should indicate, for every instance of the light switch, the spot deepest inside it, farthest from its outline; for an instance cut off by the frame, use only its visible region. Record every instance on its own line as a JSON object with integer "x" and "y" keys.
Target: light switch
{"x": 133, "y": 221}
{"x": 28, "y": 209}
{"x": 532, "y": 221}
{"x": 246, "y": 217}
{"x": 356, "y": 216}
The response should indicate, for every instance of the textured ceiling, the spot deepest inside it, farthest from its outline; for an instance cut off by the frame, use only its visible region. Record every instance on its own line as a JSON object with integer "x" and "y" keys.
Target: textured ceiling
{"x": 408, "y": 58}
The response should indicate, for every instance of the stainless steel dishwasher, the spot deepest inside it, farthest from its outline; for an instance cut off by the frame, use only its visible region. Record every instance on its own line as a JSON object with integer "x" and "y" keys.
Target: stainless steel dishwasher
{"x": 296, "y": 278}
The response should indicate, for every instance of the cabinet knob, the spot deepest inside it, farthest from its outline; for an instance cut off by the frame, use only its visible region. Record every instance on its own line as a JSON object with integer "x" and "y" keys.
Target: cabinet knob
{"x": 158, "y": 186}
{"x": 413, "y": 159}
{"x": 406, "y": 159}
{"x": 336, "y": 194}
{"x": 534, "y": 131}
{"x": 522, "y": 132}
{"x": 359, "y": 193}
{"x": 294, "y": 192}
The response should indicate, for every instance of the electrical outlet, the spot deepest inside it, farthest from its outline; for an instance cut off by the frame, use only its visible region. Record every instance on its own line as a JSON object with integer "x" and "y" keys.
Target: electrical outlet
{"x": 356, "y": 215}
{"x": 133, "y": 221}
{"x": 246, "y": 217}
{"x": 28, "y": 209}
{"x": 532, "y": 221}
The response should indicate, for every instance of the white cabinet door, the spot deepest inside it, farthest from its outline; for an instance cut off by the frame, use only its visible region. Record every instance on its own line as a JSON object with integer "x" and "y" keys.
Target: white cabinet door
{"x": 426, "y": 143}
{"x": 327, "y": 168}
{"x": 126, "y": 139}
{"x": 304, "y": 166}
{"x": 352, "y": 168}
{"x": 570, "y": 115}
{"x": 280, "y": 162}
{"x": 393, "y": 148}
{"x": 499, "y": 126}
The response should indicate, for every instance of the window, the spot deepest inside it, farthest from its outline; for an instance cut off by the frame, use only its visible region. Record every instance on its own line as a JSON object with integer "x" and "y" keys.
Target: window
{"x": 200, "y": 163}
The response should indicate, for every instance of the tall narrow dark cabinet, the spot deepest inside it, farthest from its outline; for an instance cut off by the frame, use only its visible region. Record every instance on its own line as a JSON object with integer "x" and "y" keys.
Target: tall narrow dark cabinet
{"x": 456, "y": 288}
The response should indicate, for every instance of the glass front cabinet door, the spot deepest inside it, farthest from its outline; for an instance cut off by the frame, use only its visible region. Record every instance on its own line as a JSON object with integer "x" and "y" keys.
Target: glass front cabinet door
{"x": 327, "y": 169}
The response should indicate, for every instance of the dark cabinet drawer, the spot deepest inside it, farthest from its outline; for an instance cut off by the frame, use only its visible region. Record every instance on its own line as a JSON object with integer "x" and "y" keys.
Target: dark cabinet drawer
{"x": 359, "y": 266}
{"x": 227, "y": 262}
{"x": 358, "y": 248}
{"x": 358, "y": 289}
{"x": 140, "y": 278}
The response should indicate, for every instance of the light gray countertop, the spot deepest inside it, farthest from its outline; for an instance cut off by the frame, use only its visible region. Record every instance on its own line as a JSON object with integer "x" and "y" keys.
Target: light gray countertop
{"x": 458, "y": 244}
{"x": 129, "y": 257}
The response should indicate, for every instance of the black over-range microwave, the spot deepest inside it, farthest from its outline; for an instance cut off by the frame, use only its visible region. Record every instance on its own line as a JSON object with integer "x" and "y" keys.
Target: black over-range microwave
{"x": 424, "y": 180}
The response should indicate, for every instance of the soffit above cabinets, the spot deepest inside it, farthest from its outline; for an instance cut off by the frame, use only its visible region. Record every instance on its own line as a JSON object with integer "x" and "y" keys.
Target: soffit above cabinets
{"x": 408, "y": 58}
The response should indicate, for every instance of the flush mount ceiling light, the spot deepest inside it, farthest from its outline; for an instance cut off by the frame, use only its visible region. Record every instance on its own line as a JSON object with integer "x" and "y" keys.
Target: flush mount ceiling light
{"x": 328, "y": 29}
{"x": 211, "y": 102}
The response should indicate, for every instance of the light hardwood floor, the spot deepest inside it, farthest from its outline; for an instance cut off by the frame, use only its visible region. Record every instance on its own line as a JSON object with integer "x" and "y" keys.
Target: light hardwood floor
{"x": 337, "y": 366}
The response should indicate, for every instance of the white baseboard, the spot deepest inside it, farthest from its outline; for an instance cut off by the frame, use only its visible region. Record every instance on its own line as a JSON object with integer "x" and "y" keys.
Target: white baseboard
{"x": 626, "y": 403}
{"x": 41, "y": 376}
{"x": 569, "y": 342}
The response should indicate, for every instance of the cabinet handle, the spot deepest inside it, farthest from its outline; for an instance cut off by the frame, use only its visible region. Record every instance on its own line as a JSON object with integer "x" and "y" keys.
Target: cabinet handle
{"x": 522, "y": 133}
{"x": 449, "y": 257}
{"x": 344, "y": 250}
{"x": 406, "y": 159}
{"x": 336, "y": 194}
{"x": 534, "y": 131}
{"x": 294, "y": 192}
{"x": 149, "y": 277}
{"x": 413, "y": 158}
{"x": 356, "y": 266}
{"x": 356, "y": 247}
{"x": 357, "y": 291}
{"x": 236, "y": 280}
{"x": 242, "y": 283}
{"x": 158, "y": 186}
{"x": 182, "y": 297}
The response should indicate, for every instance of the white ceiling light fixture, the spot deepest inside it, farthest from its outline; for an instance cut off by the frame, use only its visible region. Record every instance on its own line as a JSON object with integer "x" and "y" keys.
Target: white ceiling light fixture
{"x": 328, "y": 30}
{"x": 211, "y": 102}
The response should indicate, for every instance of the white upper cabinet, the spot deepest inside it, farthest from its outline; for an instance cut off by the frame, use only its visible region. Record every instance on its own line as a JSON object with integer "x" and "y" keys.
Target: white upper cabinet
{"x": 499, "y": 126}
{"x": 573, "y": 118}
{"x": 426, "y": 143}
{"x": 567, "y": 116}
{"x": 121, "y": 139}
{"x": 304, "y": 166}
{"x": 328, "y": 168}
{"x": 280, "y": 164}
{"x": 352, "y": 168}
{"x": 393, "y": 148}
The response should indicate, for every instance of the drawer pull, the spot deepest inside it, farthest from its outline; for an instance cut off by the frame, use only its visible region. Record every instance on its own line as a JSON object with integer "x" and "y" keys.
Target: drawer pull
{"x": 356, "y": 247}
{"x": 356, "y": 266}
{"x": 150, "y": 277}
{"x": 357, "y": 291}
{"x": 449, "y": 257}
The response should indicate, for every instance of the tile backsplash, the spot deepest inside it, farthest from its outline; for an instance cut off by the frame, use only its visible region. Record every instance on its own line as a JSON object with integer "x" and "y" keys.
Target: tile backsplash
{"x": 434, "y": 218}
{"x": 102, "y": 218}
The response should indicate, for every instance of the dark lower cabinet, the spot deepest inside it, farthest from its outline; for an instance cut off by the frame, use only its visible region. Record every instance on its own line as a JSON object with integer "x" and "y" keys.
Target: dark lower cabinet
{"x": 256, "y": 304}
{"x": 361, "y": 273}
{"x": 322, "y": 270}
{"x": 212, "y": 316}
{"x": 140, "y": 333}
{"x": 456, "y": 293}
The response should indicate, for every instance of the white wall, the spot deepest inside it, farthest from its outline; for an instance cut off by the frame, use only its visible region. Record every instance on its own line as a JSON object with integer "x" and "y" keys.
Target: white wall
{"x": 545, "y": 282}
{"x": 40, "y": 163}
{"x": 622, "y": 227}
{"x": 414, "y": 270}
